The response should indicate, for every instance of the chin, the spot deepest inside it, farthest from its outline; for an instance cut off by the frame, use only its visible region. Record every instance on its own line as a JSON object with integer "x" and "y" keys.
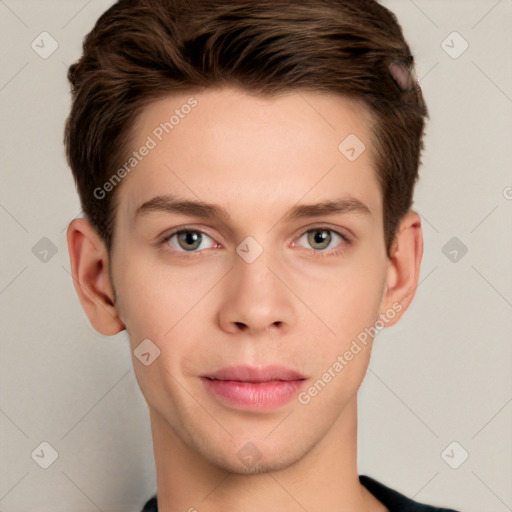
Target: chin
{"x": 249, "y": 460}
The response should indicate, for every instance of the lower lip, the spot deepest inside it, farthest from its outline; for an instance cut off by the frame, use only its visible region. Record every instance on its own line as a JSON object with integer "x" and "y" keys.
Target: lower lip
{"x": 266, "y": 395}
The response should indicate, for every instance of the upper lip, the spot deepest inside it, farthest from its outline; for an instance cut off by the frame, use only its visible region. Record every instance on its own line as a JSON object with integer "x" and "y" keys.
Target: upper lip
{"x": 256, "y": 374}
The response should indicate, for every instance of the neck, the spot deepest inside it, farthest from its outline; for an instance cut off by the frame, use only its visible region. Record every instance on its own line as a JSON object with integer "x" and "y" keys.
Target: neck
{"x": 324, "y": 478}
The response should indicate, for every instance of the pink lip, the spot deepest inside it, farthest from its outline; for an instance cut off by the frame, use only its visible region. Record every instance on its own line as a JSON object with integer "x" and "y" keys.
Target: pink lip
{"x": 250, "y": 387}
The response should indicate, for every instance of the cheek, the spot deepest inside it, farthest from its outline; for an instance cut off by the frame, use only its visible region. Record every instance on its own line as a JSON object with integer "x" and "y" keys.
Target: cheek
{"x": 154, "y": 298}
{"x": 359, "y": 298}
{"x": 346, "y": 298}
{"x": 156, "y": 304}
{"x": 337, "y": 361}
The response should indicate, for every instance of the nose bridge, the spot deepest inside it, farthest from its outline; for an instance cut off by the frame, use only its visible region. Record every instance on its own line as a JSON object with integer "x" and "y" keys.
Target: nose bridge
{"x": 255, "y": 297}
{"x": 252, "y": 272}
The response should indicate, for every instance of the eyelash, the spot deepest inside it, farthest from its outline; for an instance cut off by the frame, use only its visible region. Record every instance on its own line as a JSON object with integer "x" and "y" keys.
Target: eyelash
{"x": 319, "y": 252}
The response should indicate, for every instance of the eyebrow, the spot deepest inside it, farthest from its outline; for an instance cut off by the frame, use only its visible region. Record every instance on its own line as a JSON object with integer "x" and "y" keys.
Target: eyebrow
{"x": 173, "y": 204}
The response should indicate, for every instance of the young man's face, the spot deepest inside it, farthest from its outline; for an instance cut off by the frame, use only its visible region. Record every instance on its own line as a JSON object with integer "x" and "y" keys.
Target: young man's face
{"x": 259, "y": 287}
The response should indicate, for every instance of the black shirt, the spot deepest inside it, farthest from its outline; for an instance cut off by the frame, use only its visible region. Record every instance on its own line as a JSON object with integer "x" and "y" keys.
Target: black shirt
{"x": 394, "y": 501}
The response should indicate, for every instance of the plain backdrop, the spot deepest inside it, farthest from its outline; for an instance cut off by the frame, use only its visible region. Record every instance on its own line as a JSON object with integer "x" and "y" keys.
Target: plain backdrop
{"x": 439, "y": 387}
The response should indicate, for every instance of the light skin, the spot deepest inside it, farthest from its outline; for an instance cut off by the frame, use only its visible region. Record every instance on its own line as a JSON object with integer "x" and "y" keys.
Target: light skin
{"x": 299, "y": 304}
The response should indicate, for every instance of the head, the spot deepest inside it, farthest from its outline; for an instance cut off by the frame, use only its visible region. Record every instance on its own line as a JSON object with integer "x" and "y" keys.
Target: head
{"x": 258, "y": 107}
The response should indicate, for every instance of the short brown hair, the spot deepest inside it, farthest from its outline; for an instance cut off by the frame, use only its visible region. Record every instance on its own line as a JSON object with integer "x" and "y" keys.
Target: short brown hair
{"x": 143, "y": 50}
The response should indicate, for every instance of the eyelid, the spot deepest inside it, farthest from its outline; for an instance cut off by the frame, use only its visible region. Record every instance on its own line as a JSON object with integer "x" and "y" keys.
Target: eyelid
{"x": 163, "y": 239}
{"x": 335, "y": 229}
{"x": 337, "y": 250}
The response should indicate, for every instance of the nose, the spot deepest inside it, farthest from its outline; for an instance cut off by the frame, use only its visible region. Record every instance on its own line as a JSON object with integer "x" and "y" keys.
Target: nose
{"x": 255, "y": 300}
{"x": 244, "y": 327}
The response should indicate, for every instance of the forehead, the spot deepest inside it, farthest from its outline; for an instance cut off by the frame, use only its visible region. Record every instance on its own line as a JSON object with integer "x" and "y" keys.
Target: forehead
{"x": 248, "y": 151}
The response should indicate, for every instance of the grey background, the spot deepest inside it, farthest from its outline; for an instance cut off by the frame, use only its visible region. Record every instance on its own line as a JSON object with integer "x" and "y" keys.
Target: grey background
{"x": 443, "y": 374}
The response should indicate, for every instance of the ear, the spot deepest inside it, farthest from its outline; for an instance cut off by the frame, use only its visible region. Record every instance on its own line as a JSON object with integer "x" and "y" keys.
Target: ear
{"x": 403, "y": 270}
{"x": 89, "y": 270}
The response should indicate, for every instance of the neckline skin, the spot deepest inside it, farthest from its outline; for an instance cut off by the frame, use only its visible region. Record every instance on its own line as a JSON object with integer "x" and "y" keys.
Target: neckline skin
{"x": 367, "y": 482}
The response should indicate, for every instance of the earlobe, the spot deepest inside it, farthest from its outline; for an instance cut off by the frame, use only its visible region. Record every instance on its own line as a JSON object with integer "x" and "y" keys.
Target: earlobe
{"x": 89, "y": 270}
{"x": 404, "y": 265}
